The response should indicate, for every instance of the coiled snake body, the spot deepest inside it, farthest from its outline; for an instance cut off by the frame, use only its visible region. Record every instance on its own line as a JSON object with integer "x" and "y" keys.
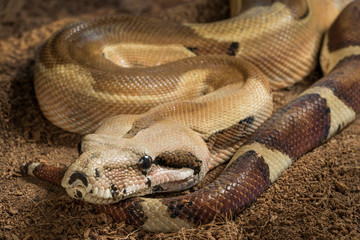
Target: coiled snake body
{"x": 212, "y": 84}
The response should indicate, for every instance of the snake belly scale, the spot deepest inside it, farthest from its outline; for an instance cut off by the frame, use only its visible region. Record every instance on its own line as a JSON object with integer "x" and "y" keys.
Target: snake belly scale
{"x": 163, "y": 103}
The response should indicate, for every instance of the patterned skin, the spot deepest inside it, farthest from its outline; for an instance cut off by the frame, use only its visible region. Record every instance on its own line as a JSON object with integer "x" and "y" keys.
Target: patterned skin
{"x": 316, "y": 115}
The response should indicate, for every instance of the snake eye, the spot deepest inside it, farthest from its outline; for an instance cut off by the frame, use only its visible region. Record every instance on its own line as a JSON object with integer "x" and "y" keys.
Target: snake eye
{"x": 144, "y": 164}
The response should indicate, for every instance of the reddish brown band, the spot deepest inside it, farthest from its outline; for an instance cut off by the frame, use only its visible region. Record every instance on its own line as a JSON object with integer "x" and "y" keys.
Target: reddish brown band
{"x": 129, "y": 211}
{"x": 344, "y": 81}
{"x": 46, "y": 173}
{"x": 299, "y": 127}
{"x": 344, "y": 32}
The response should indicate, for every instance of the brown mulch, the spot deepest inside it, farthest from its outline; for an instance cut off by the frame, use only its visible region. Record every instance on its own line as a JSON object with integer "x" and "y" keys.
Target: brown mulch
{"x": 317, "y": 198}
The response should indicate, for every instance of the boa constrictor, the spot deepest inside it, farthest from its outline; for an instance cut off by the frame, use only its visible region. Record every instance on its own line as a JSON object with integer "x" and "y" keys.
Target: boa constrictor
{"x": 211, "y": 81}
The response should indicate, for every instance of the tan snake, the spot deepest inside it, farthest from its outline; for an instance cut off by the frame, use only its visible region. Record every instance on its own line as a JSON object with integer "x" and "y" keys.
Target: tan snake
{"x": 211, "y": 81}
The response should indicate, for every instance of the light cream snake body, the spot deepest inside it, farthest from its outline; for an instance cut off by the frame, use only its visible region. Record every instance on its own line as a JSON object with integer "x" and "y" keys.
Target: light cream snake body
{"x": 212, "y": 83}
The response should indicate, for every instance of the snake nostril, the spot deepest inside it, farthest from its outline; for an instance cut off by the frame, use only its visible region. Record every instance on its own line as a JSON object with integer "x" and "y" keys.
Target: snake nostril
{"x": 78, "y": 176}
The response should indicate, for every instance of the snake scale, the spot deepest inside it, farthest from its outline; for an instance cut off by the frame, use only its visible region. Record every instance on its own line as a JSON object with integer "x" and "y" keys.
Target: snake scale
{"x": 196, "y": 96}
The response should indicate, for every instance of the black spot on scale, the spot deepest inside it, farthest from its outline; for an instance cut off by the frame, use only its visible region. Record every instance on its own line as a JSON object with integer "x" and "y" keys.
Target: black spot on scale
{"x": 193, "y": 49}
{"x": 327, "y": 110}
{"x": 196, "y": 170}
{"x": 97, "y": 173}
{"x": 234, "y": 46}
{"x": 248, "y": 120}
{"x": 157, "y": 189}
{"x": 148, "y": 183}
{"x": 339, "y": 128}
{"x": 191, "y": 190}
{"x": 114, "y": 191}
{"x": 176, "y": 209}
{"x": 180, "y": 206}
{"x": 174, "y": 215}
{"x": 250, "y": 152}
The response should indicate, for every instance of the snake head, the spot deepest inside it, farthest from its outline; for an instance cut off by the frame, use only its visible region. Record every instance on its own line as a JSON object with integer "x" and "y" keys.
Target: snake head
{"x": 164, "y": 157}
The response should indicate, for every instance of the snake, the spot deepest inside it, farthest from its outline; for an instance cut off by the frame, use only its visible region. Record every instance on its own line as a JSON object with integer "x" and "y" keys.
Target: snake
{"x": 162, "y": 103}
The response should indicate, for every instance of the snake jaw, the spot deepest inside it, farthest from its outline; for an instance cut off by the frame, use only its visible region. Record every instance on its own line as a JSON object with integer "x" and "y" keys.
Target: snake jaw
{"x": 89, "y": 190}
{"x": 94, "y": 178}
{"x": 79, "y": 184}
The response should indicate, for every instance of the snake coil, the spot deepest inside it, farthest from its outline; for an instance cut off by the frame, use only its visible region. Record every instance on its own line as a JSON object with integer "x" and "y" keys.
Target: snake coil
{"x": 196, "y": 96}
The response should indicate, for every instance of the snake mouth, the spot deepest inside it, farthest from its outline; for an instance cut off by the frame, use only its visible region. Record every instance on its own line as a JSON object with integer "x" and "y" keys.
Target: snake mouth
{"x": 78, "y": 186}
